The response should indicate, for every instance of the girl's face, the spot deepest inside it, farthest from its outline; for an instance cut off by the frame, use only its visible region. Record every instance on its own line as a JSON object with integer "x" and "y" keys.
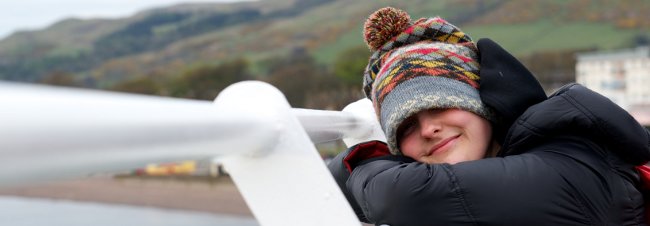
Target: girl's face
{"x": 444, "y": 136}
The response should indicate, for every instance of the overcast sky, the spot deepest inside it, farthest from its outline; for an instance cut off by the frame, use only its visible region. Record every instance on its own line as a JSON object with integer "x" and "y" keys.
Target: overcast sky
{"x": 36, "y": 14}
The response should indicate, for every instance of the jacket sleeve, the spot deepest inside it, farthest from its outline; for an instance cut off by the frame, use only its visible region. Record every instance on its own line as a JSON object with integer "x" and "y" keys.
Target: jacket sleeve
{"x": 507, "y": 86}
{"x": 483, "y": 191}
{"x": 579, "y": 111}
{"x": 341, "y": 173}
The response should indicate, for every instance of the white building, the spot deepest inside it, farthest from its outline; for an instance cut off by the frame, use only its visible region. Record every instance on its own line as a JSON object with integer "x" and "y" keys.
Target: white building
{"x": 622, "y": 75}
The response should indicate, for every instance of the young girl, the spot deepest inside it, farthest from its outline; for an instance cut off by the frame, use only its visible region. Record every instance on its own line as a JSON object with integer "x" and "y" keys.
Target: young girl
{"x": 565, "y": 160}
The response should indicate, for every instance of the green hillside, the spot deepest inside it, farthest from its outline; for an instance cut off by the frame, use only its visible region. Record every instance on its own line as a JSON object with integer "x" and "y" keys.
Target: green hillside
{"x": 171, "y": 51}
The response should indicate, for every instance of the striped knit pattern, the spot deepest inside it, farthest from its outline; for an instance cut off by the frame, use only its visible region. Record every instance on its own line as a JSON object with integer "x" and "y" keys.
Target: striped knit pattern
{"x": 433, "y": 29}
{"x": 426, "y": 59}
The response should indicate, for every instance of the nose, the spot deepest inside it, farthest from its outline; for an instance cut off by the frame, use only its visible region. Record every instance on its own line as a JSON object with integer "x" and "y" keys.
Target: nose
{"x": 429, "y": 127}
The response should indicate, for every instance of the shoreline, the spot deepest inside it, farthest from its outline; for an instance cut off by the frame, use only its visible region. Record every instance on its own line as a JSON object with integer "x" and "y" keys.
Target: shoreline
{"x": 211, "y": 195}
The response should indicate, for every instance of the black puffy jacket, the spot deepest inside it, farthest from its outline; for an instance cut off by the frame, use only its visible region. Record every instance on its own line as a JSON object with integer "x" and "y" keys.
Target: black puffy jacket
{"x": 568, "y": 160}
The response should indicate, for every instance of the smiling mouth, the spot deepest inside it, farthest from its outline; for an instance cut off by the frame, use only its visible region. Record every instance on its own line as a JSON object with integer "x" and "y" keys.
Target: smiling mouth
{"x": 439, "y": 146}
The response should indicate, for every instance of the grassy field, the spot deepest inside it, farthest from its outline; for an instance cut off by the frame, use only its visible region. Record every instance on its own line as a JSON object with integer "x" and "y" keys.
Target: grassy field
{"x": 525, "y": 39}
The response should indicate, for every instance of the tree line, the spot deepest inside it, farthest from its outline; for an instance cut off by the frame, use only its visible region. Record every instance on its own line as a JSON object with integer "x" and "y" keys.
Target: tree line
{"x": 305, "y": 82}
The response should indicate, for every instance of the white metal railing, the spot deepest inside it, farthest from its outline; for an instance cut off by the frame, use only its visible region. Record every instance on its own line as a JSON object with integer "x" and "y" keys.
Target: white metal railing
{"x": 49, "y": 133}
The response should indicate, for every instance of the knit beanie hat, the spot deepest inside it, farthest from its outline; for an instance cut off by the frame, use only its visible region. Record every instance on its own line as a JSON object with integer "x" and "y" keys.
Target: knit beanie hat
{"x": 428, "y": 64}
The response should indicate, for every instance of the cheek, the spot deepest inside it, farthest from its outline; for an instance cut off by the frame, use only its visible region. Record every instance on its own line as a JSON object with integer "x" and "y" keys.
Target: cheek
{"x": 482, "y": 135}
{"x": 408, "y": 146}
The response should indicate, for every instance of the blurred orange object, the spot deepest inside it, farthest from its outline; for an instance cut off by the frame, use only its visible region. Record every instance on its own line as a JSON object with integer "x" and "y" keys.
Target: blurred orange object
{"x": 167, "y": 169}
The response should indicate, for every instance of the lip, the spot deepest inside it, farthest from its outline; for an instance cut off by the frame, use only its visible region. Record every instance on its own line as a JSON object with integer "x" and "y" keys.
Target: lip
{"x": 438, "y": 146}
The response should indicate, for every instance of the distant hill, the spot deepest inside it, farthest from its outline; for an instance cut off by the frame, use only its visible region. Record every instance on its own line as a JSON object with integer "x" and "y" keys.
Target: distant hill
{"x": 168, "y": 42}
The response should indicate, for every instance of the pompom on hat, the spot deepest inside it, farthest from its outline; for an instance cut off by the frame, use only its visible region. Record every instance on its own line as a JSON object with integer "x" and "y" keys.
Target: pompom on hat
{"x": 428, "y": 64}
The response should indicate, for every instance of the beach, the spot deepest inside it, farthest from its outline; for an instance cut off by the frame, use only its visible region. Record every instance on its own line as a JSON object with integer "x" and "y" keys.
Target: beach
{"x": 217, "y": 196}
{"x": 211, "y": 195}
